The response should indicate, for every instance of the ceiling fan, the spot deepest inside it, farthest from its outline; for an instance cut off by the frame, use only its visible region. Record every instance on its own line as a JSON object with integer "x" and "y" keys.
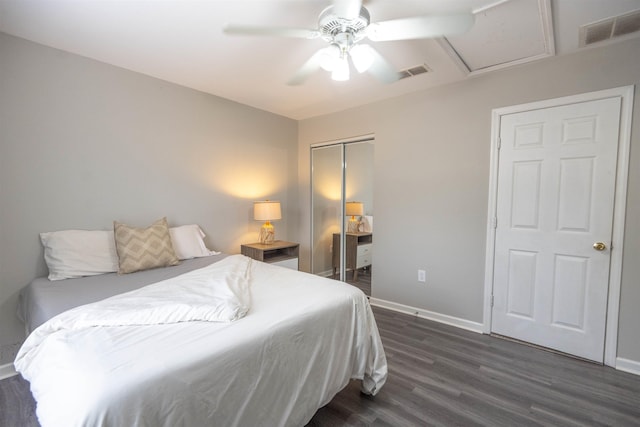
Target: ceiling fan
{"x": 344, "y": 25}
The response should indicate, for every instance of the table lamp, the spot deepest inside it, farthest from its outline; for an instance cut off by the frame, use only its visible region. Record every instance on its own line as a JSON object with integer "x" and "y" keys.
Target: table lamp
{"x": 267, "y": 211}
{"x": 354, "y": 209}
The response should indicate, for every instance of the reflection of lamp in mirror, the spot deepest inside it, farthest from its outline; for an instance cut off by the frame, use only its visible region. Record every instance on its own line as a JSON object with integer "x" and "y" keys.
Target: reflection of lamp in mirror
{"x": 354, "y": 209}
{"x": 267, "y": 211}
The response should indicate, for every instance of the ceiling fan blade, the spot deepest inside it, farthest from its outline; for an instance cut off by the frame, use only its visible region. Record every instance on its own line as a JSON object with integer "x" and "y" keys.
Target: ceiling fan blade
{"x": 249, "y": 30}
{"x": 381, "y": 69}
{"x": 347, "y": 9}
{"x": 420, "y": 27}
{"x": 311, "y": 66}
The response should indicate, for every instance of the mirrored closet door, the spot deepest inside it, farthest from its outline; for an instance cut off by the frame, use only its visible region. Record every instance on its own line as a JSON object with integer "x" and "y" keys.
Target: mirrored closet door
{"x": 342, "y": 211}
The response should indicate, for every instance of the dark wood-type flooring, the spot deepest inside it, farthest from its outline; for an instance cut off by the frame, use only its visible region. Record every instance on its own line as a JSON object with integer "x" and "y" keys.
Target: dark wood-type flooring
{"x": 444, "y": 376}
{"x": 363, "y": 281}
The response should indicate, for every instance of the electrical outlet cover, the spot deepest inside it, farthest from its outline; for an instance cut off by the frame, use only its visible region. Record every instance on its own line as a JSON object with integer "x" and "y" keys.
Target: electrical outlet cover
{"x": 422, "y": 276}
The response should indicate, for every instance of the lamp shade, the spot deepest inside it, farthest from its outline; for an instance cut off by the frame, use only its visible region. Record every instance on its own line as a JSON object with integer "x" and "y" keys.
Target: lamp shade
{"x": 266, "y": 210}
{"x": 354, "y": 208}
{"x": 341, "y": 71}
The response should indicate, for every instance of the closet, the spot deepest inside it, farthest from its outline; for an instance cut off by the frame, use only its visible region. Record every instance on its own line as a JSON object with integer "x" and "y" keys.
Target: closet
{"x": 342, "y": 211}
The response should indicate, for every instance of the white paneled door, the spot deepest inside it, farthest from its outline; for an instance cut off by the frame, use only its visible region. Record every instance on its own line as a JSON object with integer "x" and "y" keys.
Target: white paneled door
{"x": 555, "y": 200}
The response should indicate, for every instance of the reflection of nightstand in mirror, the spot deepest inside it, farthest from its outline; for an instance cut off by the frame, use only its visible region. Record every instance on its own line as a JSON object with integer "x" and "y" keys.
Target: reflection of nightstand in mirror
{"x": 284, "y": 254}
{"x": 358, "y": 249}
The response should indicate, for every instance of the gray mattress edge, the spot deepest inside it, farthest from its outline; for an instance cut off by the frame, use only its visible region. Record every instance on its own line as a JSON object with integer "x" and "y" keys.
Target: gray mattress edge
{"x": 43, "y": 299}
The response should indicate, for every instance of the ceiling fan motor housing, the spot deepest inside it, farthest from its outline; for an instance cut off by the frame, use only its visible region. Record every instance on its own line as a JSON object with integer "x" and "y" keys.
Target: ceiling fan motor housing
{"x": 336, "y": 29}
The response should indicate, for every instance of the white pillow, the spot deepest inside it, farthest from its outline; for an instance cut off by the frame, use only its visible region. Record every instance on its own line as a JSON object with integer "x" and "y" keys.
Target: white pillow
{"x": 187, "y": 242}
{"x": 78, "y": 253}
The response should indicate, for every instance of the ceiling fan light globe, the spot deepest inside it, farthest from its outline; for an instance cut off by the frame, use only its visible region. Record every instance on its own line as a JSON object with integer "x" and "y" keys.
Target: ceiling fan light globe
{"x": 362, "y": 57}
{"x": 341, "y": 72}
{"x": 328, "y": 63}
{"x": 330, "y": 57}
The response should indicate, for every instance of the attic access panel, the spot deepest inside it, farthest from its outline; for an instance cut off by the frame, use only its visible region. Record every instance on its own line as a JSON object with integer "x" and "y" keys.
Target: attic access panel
{"x": 505, "y": 34}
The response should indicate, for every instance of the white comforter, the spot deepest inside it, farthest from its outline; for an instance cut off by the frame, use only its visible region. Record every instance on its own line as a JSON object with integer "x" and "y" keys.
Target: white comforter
{"x": 217, "y": 293}
{"x": 301, "y": 341}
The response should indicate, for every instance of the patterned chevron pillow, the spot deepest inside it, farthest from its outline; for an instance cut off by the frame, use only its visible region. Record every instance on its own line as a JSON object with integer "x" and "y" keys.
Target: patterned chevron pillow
{"x": 143, "y": 248}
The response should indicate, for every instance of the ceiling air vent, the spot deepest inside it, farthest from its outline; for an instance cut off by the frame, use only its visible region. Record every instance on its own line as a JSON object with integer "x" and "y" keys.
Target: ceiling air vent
{"x": 413, "y": 71}
{"x": 610, "y": 28}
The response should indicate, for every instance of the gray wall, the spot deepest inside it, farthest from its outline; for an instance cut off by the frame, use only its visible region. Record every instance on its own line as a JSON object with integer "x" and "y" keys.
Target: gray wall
{"x": 432, "y": 171}
{"x": 83, "y": 143}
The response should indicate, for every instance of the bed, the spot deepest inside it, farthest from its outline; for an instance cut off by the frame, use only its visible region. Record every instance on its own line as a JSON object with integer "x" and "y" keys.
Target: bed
{"x": 283, "y": 345}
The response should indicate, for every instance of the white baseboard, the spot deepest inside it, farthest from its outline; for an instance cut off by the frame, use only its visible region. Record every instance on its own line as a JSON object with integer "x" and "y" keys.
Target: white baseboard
{"x": 627, "y": 365}
{"x": 7, "y": 371}
{"x": 430, "y": 315}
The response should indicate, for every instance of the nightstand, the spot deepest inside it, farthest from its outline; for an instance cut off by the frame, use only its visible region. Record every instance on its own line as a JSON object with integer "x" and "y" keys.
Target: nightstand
{"x": 359, "y": 248}
{"x": 284, "y": 254}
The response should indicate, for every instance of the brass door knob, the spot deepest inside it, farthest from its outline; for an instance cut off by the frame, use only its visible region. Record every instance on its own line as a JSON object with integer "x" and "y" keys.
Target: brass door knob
{"x": 599, "y": 246}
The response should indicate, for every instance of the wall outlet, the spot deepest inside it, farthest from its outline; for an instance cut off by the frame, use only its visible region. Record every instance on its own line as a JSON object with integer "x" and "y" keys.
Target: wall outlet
{"x": 422, "y": 276}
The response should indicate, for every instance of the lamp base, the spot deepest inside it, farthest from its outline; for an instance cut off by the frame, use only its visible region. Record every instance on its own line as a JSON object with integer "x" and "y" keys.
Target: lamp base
{"x": 353, "y": 226}
{"x": 267, "y": 233}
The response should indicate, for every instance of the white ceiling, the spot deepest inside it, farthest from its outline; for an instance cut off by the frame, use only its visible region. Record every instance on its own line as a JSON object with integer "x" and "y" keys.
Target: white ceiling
{"x": 181, "y": 41}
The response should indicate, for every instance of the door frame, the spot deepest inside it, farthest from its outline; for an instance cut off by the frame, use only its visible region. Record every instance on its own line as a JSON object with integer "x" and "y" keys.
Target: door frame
{"x": 619, "y": 210}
